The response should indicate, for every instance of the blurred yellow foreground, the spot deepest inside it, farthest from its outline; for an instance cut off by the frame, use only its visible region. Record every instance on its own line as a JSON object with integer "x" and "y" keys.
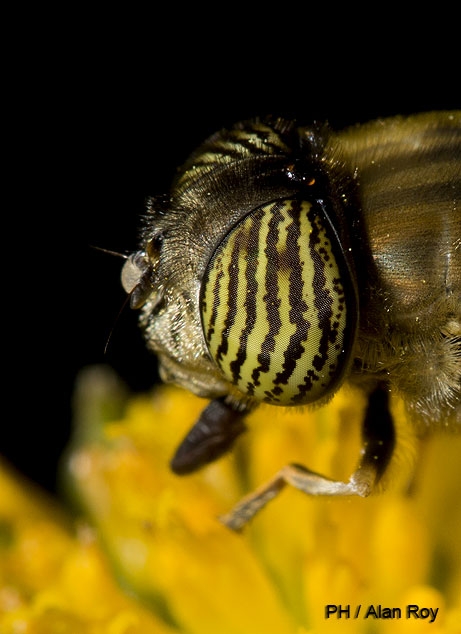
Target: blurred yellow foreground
{"x": 138, "y": 550}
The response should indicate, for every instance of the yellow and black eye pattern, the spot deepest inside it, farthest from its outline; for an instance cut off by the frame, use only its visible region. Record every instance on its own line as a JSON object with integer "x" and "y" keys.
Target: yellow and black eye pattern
{"x": 276, "y": 316}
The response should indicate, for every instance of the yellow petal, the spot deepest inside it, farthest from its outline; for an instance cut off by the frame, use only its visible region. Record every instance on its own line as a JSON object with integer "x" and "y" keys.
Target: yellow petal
{"x": 300, "y": 554}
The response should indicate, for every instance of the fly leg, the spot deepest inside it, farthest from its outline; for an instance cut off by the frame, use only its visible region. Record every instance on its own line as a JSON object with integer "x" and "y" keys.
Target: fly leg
{"x": 378, "y": 435}
{"x": 212, "y": 435}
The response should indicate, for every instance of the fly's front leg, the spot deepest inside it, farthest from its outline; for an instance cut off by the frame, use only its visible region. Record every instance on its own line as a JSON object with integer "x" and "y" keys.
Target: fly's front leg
{"x": 378, "y": 445}
{"x": 212, "y": 435}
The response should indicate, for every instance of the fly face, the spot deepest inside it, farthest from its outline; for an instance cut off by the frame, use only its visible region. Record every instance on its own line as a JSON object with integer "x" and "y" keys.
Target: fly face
{"x": 291, "y": 259}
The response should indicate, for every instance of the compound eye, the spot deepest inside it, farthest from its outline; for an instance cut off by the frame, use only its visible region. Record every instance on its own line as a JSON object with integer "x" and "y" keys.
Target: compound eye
{"x": 277, "y": 305}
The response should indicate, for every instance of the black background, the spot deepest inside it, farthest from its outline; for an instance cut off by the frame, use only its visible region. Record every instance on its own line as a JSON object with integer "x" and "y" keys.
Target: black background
{"x": 98, "y": 118}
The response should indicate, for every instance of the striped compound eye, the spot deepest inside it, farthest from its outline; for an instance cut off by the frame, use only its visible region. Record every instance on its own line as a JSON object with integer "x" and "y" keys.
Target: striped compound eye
{"x": 277, "y": 314}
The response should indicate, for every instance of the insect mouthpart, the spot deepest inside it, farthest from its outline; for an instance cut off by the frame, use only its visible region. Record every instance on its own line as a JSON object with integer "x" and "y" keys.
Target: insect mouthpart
{"x": 136, "y": 278}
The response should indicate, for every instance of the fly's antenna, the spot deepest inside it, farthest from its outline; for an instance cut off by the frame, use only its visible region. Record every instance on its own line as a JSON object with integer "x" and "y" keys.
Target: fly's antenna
{"x": 117, "y": 318}
{"x": 110, "y": 252}
{"x": 125, "y": 301}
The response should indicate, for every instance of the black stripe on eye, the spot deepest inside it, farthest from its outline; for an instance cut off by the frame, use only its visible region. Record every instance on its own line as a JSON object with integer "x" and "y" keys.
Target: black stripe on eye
{"x": 271, "y": 297}
{"x": 250, "y": 288}
{"x": 215, "y": 307}
{"x": 322, "y": 301}
{"x": 297, "y": 304}
{"x": 232, "y": 295}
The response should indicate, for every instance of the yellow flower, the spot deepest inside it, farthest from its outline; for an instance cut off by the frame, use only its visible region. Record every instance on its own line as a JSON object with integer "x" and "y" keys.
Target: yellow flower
{"x": 54, "y": 578}
{"x": 152, "y": 555}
